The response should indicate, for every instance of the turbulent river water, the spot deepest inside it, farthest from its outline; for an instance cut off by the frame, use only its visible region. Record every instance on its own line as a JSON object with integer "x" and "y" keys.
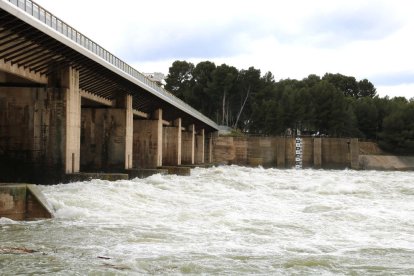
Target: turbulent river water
{"x": 225, "y": 220}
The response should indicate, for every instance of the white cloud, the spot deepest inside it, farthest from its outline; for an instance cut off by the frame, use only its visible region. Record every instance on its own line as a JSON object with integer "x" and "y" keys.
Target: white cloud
{"x": 292, "y": 39}
{"x": 401, "y": 90}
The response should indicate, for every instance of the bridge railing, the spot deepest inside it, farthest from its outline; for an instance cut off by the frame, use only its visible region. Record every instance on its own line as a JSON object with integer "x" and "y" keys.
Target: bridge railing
{"x": 61, "y": 27}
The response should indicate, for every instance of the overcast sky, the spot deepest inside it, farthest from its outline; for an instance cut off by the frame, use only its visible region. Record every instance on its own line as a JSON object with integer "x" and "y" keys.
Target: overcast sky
{"x": 292, "y": 39}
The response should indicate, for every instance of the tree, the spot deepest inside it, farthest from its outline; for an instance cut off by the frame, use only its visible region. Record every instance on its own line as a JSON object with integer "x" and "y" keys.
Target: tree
{"x": 398, "y": 130}
{"x": 347, "y": 85}
{"x": 268, "y": 78}
{"x": 202, "y": 76}
{"x": 366, "y": 89}
{"x": 333, "y": 115}
{"x": 248, "y": 83}
{"x": 311, "y": 80}
{"x": 367, "y": 116}
{"x": 336, "y": 105}
{"x": 264, "y": 108}
{"x": 179, "y": 79}
{"x": 222, "y": 85}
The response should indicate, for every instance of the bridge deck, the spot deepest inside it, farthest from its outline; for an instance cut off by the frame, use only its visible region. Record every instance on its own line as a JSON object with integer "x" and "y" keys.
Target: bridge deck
{"x": 33, "y": 39}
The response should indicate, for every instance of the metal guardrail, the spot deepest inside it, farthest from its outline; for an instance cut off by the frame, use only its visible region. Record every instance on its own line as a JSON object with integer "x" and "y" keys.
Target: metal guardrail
{"x": 61, "y": 27}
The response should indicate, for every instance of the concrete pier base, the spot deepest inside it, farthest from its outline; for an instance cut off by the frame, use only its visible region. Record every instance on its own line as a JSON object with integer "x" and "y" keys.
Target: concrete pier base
{"x": 205, "y": 165}
{"x": 75, "y": 177}
{"x": 143, "y": 173}
{"x": 23, "y": 202}
{"x": 178, "y": 170}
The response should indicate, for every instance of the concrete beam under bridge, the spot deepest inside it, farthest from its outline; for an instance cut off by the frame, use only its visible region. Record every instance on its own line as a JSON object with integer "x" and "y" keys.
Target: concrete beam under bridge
{"x": 97, "y": 99}
{"x": 110, "y": 103}
{"x": 25, "y": 73}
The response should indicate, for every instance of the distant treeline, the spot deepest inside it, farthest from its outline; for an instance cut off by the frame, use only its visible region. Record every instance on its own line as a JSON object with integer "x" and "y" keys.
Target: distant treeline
{"x": 333, "y": 105}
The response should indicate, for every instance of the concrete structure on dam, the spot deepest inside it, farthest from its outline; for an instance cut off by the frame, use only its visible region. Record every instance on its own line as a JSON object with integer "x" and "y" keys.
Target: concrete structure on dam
{"x": 67, "y": 105}
{"x": 280, "y": 152}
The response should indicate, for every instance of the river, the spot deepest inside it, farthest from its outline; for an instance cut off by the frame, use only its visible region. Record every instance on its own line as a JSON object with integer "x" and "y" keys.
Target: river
{"x": 226, "y": 220}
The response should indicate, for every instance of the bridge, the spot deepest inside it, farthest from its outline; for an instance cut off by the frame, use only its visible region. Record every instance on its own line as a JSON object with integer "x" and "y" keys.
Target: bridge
{"x": 67, "y": 105}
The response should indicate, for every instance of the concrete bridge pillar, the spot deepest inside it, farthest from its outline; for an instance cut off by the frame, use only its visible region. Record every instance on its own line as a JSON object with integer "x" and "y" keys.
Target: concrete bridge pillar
{"x": 60, "y": 118}
{"x": 40, "y": 129}
{"x": 188, "y": 145}
{"x": 147, "y": 141}
{"x": 199, "y": 147}
{"x": 172, "y": 144}
{"x": 209, "y": 148}
{"x": 106, "y": 140}
{"x": 129, "y": 132}
{"x": 70, "y": 86}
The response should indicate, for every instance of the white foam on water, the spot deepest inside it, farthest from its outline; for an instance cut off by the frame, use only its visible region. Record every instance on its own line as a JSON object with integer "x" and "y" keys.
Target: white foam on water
{"x": 231, "y": 220}
{"x": 5, "y": 221}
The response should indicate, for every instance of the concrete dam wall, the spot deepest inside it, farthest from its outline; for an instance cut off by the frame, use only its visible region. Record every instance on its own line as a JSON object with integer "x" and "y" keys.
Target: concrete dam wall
{"x": 330, "y": 153}
{"x": 386, "y": 162}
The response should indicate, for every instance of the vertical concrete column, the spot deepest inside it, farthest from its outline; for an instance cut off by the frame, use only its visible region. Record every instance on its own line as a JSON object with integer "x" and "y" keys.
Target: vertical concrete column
{"x": 158, "y": 118}
{"x": 126, "y": 103}
{"x": 70, "y": 85}
{"x": 354, "y": 153}
{"x": 172, "y": 144}
{"x": 178, "y": 125}
{"x": 129, "y": 133}
{"x": 210, "y": 148}
{"x": 317, "y": 153}
{"x": 188, "y": 145}
{"x": 281, "y": 152}
{"x": 199, "y": 147}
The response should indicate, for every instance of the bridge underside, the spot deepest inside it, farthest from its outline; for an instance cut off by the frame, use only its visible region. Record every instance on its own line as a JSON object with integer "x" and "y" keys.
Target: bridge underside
{"x": 29, "y": 52}
{"x": 61, "y": 112}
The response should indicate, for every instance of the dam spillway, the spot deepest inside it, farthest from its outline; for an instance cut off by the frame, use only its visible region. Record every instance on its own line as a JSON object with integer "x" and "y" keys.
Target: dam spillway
{"x": 223, "y": 220}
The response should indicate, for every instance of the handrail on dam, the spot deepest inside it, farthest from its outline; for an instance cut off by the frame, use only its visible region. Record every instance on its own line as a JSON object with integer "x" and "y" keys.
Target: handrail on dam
{"x": 44, "y": 16}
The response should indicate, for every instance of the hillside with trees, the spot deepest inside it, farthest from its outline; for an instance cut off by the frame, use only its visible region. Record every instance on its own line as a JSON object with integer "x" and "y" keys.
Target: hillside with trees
{"x": 334, "y": 105}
